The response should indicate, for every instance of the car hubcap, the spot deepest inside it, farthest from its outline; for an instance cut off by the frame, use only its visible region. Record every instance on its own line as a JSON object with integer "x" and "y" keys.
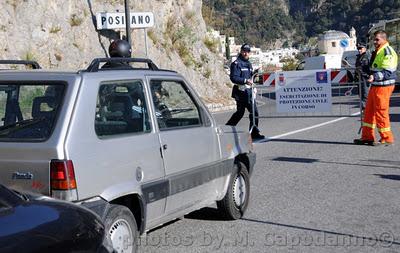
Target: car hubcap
{"x": 121, "y": 236}
{"x": 239, "y": 190}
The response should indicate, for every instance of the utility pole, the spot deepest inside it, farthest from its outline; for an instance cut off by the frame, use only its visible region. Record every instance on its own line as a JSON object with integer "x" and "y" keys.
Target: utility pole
{"x": 128, "y": 22}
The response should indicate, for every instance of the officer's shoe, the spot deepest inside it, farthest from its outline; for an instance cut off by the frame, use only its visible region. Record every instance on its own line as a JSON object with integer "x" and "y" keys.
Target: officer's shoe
{"x": 384, "y": 143}
{"x": 257, "y": 136}
{"x": 364, "y": 142}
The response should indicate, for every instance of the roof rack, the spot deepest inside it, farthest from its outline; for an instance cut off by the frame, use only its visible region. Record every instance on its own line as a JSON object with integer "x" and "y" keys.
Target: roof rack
{"x": 94, "y": 65}
{"x": 34, "y": 64}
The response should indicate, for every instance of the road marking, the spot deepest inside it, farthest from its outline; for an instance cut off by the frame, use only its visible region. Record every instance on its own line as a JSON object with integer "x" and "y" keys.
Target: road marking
{"x": 306, "y": 129}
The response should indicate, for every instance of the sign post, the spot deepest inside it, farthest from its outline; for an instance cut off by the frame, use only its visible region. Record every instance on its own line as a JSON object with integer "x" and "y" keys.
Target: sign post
{"x": 128, "y": 24}
{"x": 145, "y": 40}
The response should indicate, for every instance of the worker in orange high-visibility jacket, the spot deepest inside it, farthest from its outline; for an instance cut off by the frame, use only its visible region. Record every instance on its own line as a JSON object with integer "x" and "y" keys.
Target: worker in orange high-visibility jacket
{"x": 382, "y": 79}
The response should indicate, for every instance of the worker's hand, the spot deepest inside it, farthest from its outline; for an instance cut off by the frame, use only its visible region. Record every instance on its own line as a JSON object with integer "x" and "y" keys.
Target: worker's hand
{"x": 249, "y": 82}
{"x": 370, "y": 79}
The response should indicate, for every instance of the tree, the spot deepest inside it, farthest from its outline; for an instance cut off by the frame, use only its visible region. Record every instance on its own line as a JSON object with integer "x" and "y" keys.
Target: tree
{"x": 227, "y": 49}
{"x": 289, "y": 64}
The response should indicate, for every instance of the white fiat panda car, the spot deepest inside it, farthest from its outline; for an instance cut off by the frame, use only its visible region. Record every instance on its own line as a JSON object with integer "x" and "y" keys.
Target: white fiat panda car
{"x": 135, "y": 145}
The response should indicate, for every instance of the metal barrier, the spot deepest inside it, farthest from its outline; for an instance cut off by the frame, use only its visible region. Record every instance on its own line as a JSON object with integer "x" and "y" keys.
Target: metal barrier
{"x": 346, "y": 96}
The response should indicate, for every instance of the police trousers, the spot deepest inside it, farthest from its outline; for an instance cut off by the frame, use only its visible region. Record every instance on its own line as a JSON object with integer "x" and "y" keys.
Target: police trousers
{"x": 241, "y": 106}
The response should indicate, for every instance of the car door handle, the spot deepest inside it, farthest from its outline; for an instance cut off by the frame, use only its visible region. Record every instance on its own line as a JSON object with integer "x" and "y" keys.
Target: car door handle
{"x": 165, "y": 146}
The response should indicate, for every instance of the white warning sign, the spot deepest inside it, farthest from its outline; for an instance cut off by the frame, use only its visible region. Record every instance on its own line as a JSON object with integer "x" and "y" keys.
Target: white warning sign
{"x": 303, "y": 91}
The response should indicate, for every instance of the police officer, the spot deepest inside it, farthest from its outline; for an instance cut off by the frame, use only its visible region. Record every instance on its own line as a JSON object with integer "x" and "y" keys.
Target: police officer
{"x": 121, "y": 49}
{"x": 241, "y": 76}
{"x": 362, "y": 64}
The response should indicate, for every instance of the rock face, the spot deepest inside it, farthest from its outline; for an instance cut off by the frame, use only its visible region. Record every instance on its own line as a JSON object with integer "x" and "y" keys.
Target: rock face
{"x": 62, "y": 34}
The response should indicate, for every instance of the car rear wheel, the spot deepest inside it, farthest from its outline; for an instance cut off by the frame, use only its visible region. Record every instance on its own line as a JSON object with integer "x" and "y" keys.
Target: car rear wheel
{"x": 121, "y": 229}
{"x": 236, "y": 199}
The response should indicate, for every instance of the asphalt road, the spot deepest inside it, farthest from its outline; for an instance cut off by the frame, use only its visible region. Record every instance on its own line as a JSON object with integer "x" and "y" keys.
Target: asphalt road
{"x": 311, "y": 191}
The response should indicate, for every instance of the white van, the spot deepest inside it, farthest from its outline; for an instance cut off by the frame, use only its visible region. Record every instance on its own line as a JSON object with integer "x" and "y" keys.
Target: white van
{"x": 349, "y": 58}
{"x": 326, "y": 61}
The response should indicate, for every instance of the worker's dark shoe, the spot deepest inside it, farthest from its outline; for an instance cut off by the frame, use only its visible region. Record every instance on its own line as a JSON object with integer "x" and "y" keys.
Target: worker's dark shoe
{"x": 384, "y": 143}
{"x": 257, "y": 136}
{"x": 364, "y": 142}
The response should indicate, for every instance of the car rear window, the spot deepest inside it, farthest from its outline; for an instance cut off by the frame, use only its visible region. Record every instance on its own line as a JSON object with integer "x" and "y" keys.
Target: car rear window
{"x": 28, "y": 111}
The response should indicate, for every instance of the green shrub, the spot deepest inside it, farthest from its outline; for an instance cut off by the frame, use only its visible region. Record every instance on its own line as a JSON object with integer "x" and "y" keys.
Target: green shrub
{"x": 75, "y": 20}
{"x": 169, "y": 28}
{"x": 55, "y": 29}
{"x": 76, "y": 45}
{"x": 58, "y": 56}
{"x": 189, "y": 15}
{"x": 211, "y": 44}
{"x": 153, "y": 36}
{"x": 204, "y": 58}
{"x": 289, "y": 64}
{"x": 207, "y": 73}
{"x": 179, "y": 38}
{"x": 29, "y": 56}
{"x": 229, "y": 85}
{"x": 198, "y": 65}
{"x": 185, "y": 54}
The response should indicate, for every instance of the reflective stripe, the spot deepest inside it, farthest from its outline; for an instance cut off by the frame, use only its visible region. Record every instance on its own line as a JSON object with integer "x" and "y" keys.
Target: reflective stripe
{"x": 368, "y": 125}
{"x": 245, "y": 69}
{"x": 387, "y": 51}
{"x": 379, "y": 70}
{"x": 380, "y": 75}
{"x": 243, "y": 87}
{"x": 382, "y": 83}
{"x": 382, "y": 130}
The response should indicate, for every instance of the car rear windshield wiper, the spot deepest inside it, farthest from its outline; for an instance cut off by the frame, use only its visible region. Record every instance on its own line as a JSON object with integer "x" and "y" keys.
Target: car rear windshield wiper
{"x": 18, "y": 125}
{"x": 179, "y": 110}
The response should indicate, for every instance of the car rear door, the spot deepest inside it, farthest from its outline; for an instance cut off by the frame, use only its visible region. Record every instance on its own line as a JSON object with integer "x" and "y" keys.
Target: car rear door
{"x": 112, "y": 144}
{"x": 188, "y": 140}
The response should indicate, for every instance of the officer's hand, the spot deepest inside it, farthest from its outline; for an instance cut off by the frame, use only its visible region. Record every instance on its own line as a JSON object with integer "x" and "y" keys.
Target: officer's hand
{"x": 370, "y": 79}
{"x": 249, "y": 82}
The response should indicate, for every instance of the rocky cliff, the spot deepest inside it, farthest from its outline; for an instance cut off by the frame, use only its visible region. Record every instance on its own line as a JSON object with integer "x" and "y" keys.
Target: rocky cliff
{"x": 62, "y": 34}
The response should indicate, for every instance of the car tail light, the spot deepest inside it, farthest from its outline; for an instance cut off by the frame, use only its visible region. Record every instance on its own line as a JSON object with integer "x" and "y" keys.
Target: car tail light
{"x": 62, "y": 180}
{"x": 324, "y": 65}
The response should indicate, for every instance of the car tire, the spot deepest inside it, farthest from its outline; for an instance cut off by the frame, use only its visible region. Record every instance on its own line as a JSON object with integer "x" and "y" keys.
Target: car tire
{"x": 121, "y": 229}
{"x": 236, "y": 200}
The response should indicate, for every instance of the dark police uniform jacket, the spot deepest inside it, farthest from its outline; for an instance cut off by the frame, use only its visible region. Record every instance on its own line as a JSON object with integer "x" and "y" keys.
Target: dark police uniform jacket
{"x": 362, "y": 64}
{"x": 241, "y": 71}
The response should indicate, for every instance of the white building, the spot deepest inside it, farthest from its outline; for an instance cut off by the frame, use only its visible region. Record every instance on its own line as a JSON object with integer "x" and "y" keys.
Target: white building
{"x": 233, "y": 48}
{"x": 221, "y": 41}
{"x": 275, "y": 57}
{"x": 258, "y": 58}
{"x": 336, "y": 42}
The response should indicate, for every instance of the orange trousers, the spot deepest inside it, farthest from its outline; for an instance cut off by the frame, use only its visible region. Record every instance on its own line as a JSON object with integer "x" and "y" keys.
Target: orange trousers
{"x": 377, "y": 114}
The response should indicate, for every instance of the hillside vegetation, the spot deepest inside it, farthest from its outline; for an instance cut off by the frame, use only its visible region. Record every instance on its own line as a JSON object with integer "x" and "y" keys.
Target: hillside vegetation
{"x": 270, "y": 23}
